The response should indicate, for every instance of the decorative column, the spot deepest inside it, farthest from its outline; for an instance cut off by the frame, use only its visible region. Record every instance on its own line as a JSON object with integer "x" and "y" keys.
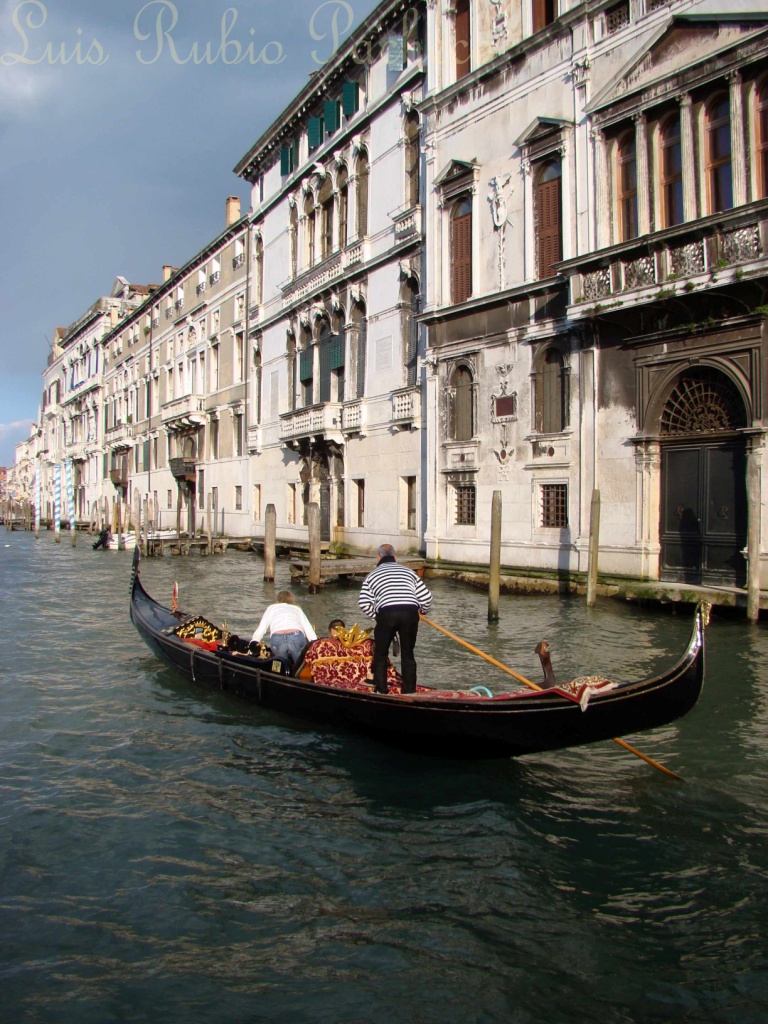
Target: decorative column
{"x": 602, "y": 205}
{"x": 738, "y": 155}
{"x": 643, "y": 175}
{"x": 754, "y": 512}
{"x": 648, "y": 507}
{"x": 529, "y": 246}
{"x": 690, "y": 206}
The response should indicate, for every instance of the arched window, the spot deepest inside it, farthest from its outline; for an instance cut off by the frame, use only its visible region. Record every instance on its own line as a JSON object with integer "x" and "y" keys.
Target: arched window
{"x": 461, "y": 250}
{"x": 358, "y": 334}
{"x": 412, "y": 158}
{"x": 719, "y": 179}
{"x": 627, "y": 186}
{"x": 551, "y": 393}
{"x": 411, "y": 307}
{"x": 462, "y": 418}
{"x": 671, "y": 172}
{"x": 362, "y": 195}
{"x": 549, "y": 217}
{"x": 306, "y": 368}
{"x": 325, "y": 201}
{"x": 761, "y": 155}
{"x": 343, "y": 190}
{"x": 258, "y": 257}
{"x": 293, "y": 229}
{"x": 309, "y": 221}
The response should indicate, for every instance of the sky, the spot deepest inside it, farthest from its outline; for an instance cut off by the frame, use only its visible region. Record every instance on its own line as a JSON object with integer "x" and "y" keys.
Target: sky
{"x": 120, "y": 123}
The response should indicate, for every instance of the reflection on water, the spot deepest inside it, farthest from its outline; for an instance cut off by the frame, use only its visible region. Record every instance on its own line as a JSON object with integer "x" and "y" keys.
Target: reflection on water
{"x": 172, "y": 854}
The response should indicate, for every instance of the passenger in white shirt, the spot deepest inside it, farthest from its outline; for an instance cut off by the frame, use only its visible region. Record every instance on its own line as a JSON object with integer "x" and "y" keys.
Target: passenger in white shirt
{"x": 288, "y": 627}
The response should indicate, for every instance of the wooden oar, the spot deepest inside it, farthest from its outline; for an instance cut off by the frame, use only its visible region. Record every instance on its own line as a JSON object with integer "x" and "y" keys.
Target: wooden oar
{"x": 535, "y": 686}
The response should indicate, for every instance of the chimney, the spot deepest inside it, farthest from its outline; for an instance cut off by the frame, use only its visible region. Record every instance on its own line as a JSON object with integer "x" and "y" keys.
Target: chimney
{"x": 167, "y": 272}
{"x": 233, "y": 210}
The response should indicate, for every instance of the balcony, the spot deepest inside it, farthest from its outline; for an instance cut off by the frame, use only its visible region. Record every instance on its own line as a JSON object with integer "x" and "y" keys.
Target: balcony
{"x": 325, "y": 273}
{"x": 187, "y": 411}
{"x": 182, "y": 469}
{"x": 352, "y": 418}
{"x": 200, "y": 288}
{"x": 406, "y": 408}
{"x": 684, "y": 259}
{"x": 407, "y": 223}
{"x": 253, "y": 440}
{"x": 119, "y": 476}
{"x": 214, "y": 277}
{"x": 238, "y": 261}
{"x": 315, "y": 421}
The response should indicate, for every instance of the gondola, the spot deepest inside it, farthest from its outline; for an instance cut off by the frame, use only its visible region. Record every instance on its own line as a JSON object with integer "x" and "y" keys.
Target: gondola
{"x": 458, "y": 724}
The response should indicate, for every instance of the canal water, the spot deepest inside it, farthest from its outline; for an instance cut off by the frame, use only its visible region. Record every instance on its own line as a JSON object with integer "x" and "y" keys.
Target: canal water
{"x": 169, "y": 854}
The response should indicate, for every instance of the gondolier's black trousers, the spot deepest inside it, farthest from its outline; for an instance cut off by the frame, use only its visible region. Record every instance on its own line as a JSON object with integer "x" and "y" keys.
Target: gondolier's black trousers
{"x": 402, "y": 619}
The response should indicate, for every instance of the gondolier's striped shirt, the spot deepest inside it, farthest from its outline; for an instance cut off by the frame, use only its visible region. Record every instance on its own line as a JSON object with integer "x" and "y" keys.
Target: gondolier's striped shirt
{"x": 391, "y": 583}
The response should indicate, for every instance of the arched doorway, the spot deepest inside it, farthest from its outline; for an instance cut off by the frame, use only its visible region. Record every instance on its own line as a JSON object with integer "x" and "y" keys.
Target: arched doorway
{"x": 703, "y": 480}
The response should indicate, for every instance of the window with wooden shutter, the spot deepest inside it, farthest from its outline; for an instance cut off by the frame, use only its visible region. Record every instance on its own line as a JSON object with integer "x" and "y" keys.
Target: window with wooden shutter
{"x": 544, "y": 13}
{"x": 549, "y": 218}
{"x": 461, "y": 251}
{"x": 462, "y": 39}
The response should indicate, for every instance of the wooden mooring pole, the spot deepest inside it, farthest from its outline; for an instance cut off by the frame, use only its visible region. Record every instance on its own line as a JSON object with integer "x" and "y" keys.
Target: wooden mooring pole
{"x": 270, "y": 538}
{"x": 594, "y": 547}
{"x": 313, "y": 525}
{"x": 494, "y": 568}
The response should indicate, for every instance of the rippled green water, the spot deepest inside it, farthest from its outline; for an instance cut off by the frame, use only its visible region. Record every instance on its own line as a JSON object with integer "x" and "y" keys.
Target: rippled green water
{"x": 168, "y": 854}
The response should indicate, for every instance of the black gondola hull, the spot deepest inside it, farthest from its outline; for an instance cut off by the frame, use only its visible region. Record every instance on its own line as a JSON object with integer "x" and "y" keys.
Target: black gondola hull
{"x": 527, "y": 723}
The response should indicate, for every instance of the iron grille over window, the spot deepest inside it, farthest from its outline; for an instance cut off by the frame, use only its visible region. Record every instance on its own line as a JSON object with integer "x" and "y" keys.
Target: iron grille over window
{"x": 703, "y": 402}
{"x": 465, "y": 505}
{"x": 617, "y": 17}
{"x": 554, "y": 505}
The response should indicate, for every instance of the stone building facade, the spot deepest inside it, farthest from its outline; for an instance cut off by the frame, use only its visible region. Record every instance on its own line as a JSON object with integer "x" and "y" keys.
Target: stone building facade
{"x": 596, "y": 183}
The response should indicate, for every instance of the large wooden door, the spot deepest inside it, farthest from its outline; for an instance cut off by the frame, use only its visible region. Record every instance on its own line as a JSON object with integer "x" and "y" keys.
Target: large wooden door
{"x": 704, "y": 513}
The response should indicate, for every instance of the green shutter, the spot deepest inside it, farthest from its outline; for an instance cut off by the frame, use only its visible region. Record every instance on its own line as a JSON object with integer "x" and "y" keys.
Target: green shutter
{"x": 305, "y": 365}
{"x": 337, "y": 352}
{"x": 331, "y": 115}
{"x": 285, "y": 161}
{"x": 350, "y": 98}
{"x": 314, "y": 132}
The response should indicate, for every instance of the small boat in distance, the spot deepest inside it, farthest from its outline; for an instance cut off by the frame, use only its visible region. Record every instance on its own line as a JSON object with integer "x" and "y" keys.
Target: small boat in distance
{"x": 460, "y": 723}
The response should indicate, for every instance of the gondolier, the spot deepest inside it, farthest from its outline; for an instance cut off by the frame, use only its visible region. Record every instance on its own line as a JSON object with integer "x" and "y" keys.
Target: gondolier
{"x": 394, "y": 595}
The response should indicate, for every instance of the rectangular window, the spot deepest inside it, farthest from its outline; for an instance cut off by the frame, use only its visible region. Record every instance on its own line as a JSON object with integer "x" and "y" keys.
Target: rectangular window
{"x": 410, "y": 502}
{"x": 238, "y": 498}
{"x": 169, "y": 498}
{"x": 288, "y": 159}
{"x": 256, "y": 502}
{"x": 201, "y": 489}
{"x": 465, "y": 505}
{"x": 214, "y": 439}
{"x": 554, "y": 505}
{"x": 462, "y": 38}
{"x": 291, "y": 504}
{"x": 359, "y": 486}
{"x": 237, "y": 429}
{"x": 274, "y": 395}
